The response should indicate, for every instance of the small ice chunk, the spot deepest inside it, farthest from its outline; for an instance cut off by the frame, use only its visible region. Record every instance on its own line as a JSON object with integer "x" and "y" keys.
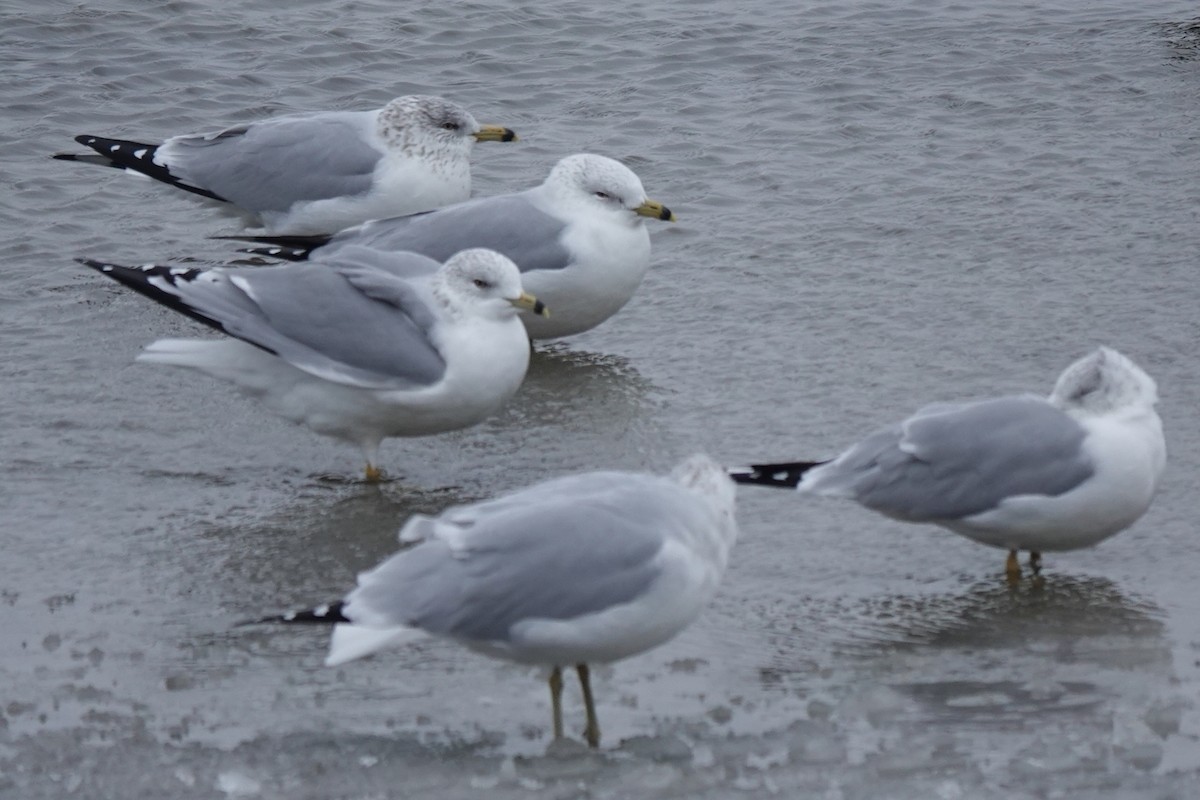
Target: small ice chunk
{"x": 237, "y": 784}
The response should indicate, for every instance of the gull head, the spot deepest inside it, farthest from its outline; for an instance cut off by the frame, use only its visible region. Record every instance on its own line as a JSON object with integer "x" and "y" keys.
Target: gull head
{"x": 427, "y": 122}
{"x": 601, "y": 185}
{"x": 714, "y": 490}
{"x": 489, "y": 283}
{"x": 1102, "y": 382}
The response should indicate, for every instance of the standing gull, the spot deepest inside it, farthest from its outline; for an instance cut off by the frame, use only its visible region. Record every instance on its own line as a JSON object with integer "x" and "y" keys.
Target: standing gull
{"x": 1019, "y": 472}
{"x": 319, "y": 172}
{"x": 579, "y": 570}
{"x": 579, "y": 239}
{"x": 351, "y": 346}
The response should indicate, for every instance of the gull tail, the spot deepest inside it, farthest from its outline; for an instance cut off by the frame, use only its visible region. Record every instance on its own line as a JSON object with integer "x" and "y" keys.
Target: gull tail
{"x": 784, "y": 475}
{"x": 133, "y": 157}
{"x": 349, "y": 641}
{"x": 328, "y": 614}
{"x": 287, "y": 248}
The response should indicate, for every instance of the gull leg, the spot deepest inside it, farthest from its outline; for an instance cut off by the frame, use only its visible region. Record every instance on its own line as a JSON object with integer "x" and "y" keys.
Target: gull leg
{"x": 1035, "y": 562}
{"x": 592, "y": 731}
{"x": 1012, "y": 567}
{"x": 370, "y": 451}
{"x": 556, "y": 685}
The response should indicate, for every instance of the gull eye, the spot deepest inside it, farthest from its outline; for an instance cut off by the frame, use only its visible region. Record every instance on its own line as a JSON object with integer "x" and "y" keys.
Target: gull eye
{"x": 450, "y": 126}
{"x": 603, "y": 195}
{"x": 482, "y": 284}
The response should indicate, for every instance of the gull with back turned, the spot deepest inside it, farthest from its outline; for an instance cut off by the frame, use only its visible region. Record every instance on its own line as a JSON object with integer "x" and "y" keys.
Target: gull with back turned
{"x": 575, "y": 571}
{"x": 1020, "y": 472}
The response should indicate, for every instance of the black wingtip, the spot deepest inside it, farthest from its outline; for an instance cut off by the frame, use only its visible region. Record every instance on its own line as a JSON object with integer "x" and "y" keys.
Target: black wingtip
{"x": 135, "y": 156}
{"x": 280, "y": 253}
{"x": 328, "y": 614}
{"x": 297, "y": 241}
{"x": 784, "y": 475}
{"x": 285, "y": 248}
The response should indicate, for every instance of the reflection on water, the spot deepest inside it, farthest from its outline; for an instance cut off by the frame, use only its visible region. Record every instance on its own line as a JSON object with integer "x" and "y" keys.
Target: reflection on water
{"x": 986, "y": 627}
{"x": 310, "y": 550}
{"x": 571, "y": 388}
{"x": 1183, "y": 39}
{"x": 576, "y": 410}
{"x": 991, "y": 613}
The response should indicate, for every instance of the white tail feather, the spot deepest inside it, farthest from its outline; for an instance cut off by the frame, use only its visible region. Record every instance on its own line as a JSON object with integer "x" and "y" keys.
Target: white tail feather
{"x": 351, "y": 641}
{"x": 255, "y": 371}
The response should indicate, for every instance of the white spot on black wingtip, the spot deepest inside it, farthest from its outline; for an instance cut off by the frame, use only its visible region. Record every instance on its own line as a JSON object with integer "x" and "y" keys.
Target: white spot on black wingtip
{"x": 114, "y": 148}
{"x": 321, "y": 610}
{"x": 106, "y": 267}
{"x": 139, "y": 153}
{"x": 777, "y": 476}
{"x": 274, "y": 251}
{"x": 289, "y": 616}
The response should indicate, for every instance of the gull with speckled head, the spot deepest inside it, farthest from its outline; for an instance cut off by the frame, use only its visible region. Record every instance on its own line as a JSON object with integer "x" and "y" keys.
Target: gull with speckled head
{"x": 578, "y": 570}
{"x": 352, "y": 346}
{"x": 579, "y": 239}
{"x": 1019, "y": 472}
{"x": 318, "y": 172}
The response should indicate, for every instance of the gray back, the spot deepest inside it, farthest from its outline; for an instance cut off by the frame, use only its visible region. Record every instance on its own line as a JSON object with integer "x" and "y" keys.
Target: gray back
{"x": 268, "y": 165}
{"x": 558, "y": 550}
{"x": 317, "y": 319}
{"x": 509, "y": 224}
{"x": 949, "y": 462}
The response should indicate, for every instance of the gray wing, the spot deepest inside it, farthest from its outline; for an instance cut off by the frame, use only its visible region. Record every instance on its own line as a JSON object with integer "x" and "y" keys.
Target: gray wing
{"x": 952, "y": 461}
{"x": 342, "y": 319}
{"x": 559, "y": 550}
{"x": 509, "y": 224}
{"x": 269, "y": 165}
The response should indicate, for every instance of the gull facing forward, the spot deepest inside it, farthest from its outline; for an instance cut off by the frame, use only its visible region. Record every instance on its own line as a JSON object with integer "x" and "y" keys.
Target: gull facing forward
{"x": 353, "y": 347}
{"x": 318, "y": 172}
{"x": 579, "y": 239}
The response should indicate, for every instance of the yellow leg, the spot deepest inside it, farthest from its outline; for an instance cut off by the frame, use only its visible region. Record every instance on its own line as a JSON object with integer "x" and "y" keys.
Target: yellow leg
{"x": 1012, "y": 567}
{"x": 592, "y": 731}
{"x": 1035, "y": 562}
{"x": 374, "y": 474}
{"x": 556, "y": 686}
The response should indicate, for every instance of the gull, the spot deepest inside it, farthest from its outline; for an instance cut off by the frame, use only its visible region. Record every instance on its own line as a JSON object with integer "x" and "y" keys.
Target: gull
{"x": 318, "y": 172}
{"x": 1018, "y": 472}
{"x": 350, "y": 346}
{"x": 578, "y": 570}
{"x": 579, "y": 239}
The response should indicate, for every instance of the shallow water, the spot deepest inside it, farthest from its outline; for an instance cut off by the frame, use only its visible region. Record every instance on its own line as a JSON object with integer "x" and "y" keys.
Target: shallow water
{"x": 880, "y": 204}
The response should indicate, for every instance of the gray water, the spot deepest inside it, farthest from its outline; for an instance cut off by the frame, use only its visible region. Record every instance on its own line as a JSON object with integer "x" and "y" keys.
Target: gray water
{"x": 881, "y": 204}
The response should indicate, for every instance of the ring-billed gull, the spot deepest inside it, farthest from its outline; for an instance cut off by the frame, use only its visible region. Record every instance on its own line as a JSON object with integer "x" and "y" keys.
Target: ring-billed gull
{"x": 579, "y": 239}
{"x": 351, "y": 346}
{"x": 319, "y": 172}
{"x": 578, "y": 570}
{"x": 1020, "y": 472}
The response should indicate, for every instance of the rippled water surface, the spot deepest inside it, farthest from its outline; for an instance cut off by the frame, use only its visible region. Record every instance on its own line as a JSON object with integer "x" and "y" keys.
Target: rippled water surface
{"x": 880, "y": 204}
